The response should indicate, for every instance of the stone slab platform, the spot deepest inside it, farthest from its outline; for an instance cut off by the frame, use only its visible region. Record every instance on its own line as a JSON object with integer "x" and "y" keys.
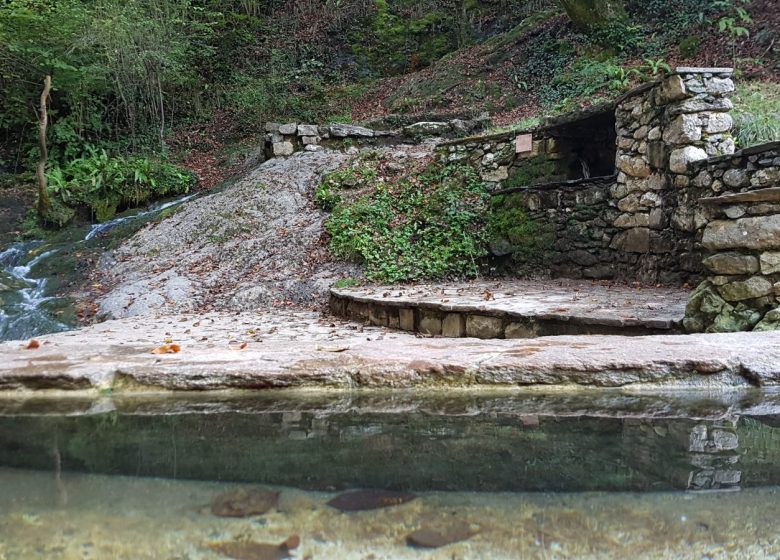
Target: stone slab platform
{"x": 515, "y": 309}
{"x": 251, "y": 351}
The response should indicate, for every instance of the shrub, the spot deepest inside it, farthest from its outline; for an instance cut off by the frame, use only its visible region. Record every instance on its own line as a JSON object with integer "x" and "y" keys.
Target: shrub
{"x": 105, "y": 183}
{"x": 425, "y": 226}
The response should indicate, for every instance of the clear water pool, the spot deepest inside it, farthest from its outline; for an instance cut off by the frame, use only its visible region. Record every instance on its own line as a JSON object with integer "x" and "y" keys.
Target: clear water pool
{"x": 534, "y": 476}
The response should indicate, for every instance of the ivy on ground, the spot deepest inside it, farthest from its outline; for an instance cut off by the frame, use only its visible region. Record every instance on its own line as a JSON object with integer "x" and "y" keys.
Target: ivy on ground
{"x": 421, "y": 226}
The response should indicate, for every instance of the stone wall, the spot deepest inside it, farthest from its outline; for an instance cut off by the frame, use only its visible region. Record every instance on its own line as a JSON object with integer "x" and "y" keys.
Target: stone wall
{"x": 645, "y": 224}
{"x": 574, "y": 228}
{"x": 286, "y": 139}
{"x": 661, "y": 128}
{"x": 737, "y": 221}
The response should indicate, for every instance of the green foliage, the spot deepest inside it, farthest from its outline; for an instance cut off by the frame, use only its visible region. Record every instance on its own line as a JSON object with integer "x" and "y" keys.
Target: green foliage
{"x": 757, "y": 113}
{"x": 618, "y": 35}
{"x": 105, "y": 183}
{"x": 538, "y": 169}
{"x": 689, "y": 46}
{"x": 346, "y": 283}
{"x": 507, "y": 221}
{"x": 426, "y": 226}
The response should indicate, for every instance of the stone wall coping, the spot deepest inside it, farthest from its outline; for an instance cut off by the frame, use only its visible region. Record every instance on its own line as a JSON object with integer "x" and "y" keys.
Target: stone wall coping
{"x": 550, "y": 123}
{"x": 573, "y": 184}
{"x": 505, "y": 135}
{"x": 702, "y": 70}
{"x": 771, "y": 194}
{"x": 749, "y": 151}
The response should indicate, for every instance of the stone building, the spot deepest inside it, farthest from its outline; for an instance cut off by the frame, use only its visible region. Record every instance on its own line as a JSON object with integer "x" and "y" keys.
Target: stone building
{"x": 650, "y": 189}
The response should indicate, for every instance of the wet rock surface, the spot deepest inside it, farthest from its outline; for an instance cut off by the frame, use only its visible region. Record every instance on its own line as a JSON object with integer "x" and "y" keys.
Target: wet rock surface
{"x": 253, "y": 245}
{"x": 302, "y": 349}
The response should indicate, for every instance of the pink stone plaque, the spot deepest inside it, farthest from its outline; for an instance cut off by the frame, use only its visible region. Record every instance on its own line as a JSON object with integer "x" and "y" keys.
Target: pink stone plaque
{"x": 523, "y": 143}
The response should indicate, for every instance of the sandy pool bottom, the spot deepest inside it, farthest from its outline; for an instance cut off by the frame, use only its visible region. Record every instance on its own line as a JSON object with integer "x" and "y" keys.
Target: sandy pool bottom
{"x": 117, "y": 517}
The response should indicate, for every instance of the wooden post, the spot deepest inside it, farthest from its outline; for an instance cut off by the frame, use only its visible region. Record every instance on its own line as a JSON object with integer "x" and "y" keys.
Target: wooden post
{"x": 43, "y": 118}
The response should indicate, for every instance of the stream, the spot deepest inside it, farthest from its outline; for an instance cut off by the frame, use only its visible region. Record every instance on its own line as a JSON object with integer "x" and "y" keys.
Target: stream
{"x": 34, "y": 274}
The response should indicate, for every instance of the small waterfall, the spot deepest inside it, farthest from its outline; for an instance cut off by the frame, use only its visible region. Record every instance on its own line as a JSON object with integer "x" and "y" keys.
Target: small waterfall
{"x": 23, "y": 314}
{"x": 24, "y": 299}
{"x": 97, "y": 229}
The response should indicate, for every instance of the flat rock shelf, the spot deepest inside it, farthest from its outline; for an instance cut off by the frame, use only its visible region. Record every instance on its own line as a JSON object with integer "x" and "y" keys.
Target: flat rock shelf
{"x": 250, "y": 351}
{"x": 515, "y": 309}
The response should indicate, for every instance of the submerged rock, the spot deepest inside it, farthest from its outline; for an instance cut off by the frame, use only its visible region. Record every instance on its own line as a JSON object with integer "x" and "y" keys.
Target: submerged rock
{"x": 250, "y": 550}
{"x": 244, "y": 502}
{"x": 360, "y": 500}
{"x": 432, "y": 538}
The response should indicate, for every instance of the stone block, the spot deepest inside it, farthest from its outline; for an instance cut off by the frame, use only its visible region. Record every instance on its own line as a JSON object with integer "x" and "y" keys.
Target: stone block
{"x": 626, "y": 221}
{"x": 700, "y": 105}
{"x": 430, "y": 322}
{"x": 393, "y": 319}
{"x": 770, "y": 262}
{"x": 357, "y": 310}
{"x": 283, "y": 148}
{"x": 681, "y": 158}
{"x": 702, "y": 180}
{"x": 272, "y": 127}
{"x": 719, "y": 86}
{"x": 633, "y": 166}
{"x": 656, "y": 154}
{"x": 636, "y": 240}
{"x": 484, "y": 326}
{"x": 736, "y": 178}
{"x": 731, "y": 263}
{"x": 453, "y": 325}
{"x": 346, "y": 130}
{"x": 377, "y": 315}
{"x": 760, "y": 232}
{"x": 672, "y": 89}
{"x": 310, "y": 140}
{"x": 719, "y": 122}
{"x": 629, "y": 203}
{"x": 734, "y": 212}
{"x": 495, "y": 175}
{"x": 741, "y": 290}
{"x": 406, "y": 319}
{"x": 650, "y": 200}
{"x": 289, "y": 128}
{"x": 684, "y": 129}
{"x": 308, "y": 130}
{"x": 521, "y": 330}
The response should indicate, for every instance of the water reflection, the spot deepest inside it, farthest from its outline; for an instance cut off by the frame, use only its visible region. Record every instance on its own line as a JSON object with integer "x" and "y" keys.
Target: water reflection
{"x": 483, "y": 444}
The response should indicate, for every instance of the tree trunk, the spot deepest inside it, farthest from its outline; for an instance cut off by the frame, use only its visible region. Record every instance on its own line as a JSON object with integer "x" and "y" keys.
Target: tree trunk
{"x": 586, "y": 13}
{"x": 43, "y": 119}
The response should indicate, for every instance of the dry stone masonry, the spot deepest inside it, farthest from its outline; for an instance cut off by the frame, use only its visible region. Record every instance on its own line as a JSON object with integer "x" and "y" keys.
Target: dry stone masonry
{"x": 739, "y": 228}
{"x": 676, "y": 204}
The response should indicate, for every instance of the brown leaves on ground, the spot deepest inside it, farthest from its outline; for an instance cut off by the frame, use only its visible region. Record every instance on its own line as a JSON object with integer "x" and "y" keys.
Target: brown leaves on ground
{"x": 167, "y": 349}
{"x": 33, "y": 344}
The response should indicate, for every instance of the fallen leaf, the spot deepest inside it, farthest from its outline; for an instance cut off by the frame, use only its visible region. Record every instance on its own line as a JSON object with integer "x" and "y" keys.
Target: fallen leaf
{"x": 250, "y": 550}
{"x": 332, "y": 348}
{"x": 33, "y": 344}
{"x": 167, "y": 349}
